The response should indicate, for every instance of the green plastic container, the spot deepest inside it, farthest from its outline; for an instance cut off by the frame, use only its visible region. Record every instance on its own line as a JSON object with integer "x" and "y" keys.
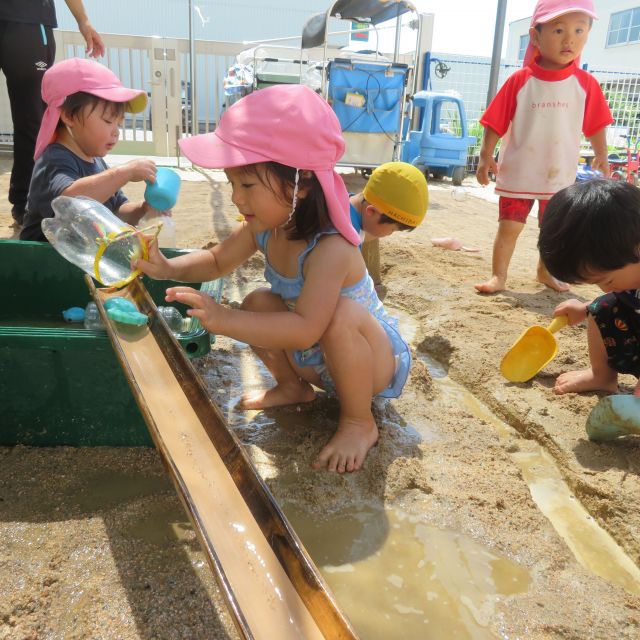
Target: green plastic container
{"x": 61, "y": 384}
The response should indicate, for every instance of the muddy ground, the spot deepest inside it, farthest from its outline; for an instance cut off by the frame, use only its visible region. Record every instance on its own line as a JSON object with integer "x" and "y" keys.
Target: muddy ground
{"x": 93, "y": 543}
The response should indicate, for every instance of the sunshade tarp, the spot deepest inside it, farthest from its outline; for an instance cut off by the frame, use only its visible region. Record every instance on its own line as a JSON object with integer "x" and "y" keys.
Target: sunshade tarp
{"x": 372, "y": 11}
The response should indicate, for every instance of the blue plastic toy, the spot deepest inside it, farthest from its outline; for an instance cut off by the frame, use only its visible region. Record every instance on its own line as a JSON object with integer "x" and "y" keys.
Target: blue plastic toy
{"x": 163, "y": 193}
{"x": 614, "y": 416}
{"x": 585, "y": 172}
{"x": 125, "y": 311}
{"x": 73, "y": 314}
{"x": 440, "y": 145}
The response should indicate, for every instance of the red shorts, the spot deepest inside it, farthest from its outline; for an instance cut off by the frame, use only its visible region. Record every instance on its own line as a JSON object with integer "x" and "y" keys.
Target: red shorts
{"x": 518, "y": 209}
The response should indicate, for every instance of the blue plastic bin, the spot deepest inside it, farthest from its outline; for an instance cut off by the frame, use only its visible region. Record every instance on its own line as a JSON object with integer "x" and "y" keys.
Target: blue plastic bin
{"x": 381, "y": 86}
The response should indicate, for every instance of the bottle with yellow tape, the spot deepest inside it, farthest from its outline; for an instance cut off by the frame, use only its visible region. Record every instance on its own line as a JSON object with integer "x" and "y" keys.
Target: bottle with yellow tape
{"x": 90, "y": 236}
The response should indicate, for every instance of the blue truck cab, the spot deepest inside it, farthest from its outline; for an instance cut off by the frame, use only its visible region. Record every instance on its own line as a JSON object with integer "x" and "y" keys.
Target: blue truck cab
{"x": 440, "y": 145}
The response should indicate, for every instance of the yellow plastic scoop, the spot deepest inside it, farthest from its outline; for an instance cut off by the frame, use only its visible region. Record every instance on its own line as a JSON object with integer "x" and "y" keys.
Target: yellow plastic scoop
{"x": 532, "y": 351}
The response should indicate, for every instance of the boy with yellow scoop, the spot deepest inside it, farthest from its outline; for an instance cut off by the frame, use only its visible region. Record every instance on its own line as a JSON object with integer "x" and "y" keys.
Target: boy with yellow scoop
{"x": 591, "y": 233}
{"x": 532, "y": 351}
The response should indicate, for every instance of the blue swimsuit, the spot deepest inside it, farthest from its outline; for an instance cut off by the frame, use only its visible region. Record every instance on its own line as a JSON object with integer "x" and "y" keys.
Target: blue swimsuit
{"x": 363, "y": 292}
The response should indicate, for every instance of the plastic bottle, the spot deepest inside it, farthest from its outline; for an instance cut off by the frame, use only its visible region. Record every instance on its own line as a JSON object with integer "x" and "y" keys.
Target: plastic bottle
{"x": 174, "y": 320}
{"x": 90, "y": 236}
{"x": 92, "y": 319}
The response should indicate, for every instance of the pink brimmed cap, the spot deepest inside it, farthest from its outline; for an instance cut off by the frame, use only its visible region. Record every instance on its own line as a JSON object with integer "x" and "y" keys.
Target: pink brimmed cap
{"x": 547, "y": 10}
{"x": 81, "y": 74}
{"x": 288, "y": 124}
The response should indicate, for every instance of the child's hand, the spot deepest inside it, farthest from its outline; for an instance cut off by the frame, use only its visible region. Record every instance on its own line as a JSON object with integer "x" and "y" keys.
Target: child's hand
{"x": 485, "y": 167}
{"x": 139, "y": 170}
{"x": 574, "y": 309}
{"x": 156, "y": 266}
{"x": 203, "y": 306}
{"x": 601, "y": 163}
{"x": 636, "y": 391}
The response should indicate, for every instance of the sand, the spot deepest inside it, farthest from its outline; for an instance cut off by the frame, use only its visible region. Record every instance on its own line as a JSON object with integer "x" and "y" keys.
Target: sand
{"x": 88, "y": 542}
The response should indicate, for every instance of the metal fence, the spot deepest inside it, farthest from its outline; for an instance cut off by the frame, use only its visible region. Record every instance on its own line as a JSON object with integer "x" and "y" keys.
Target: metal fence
{"x": 469, "y": 78}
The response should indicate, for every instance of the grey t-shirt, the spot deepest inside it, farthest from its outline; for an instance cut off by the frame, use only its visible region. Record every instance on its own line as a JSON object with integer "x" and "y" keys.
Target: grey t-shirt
{"x": 55, "y": 170}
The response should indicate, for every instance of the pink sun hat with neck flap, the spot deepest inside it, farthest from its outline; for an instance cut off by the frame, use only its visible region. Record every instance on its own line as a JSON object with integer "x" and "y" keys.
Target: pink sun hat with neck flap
{"x": 80, "y": 74}
{"x": 547, "y": 10}
{"x": 288, "y": 124}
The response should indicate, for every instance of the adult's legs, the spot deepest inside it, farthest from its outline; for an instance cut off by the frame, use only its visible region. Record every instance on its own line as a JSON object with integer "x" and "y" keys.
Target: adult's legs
{"x": 26, "y": 52}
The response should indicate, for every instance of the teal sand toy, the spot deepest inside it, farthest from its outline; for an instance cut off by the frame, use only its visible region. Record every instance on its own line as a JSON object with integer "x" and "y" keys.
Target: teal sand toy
{"x": 614, "y": 416}
{"x": 125, "y": 311}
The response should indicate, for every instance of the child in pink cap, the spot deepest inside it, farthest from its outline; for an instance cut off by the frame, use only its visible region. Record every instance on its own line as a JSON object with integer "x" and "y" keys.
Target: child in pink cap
{"x": 540, "y": 113}
{"x": 86, "y": 103}
{"x": 320, "y": 324}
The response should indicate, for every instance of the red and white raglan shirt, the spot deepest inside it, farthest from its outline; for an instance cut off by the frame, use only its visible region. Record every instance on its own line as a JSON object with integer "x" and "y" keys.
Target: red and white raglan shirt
{"x": 540, "y": 114}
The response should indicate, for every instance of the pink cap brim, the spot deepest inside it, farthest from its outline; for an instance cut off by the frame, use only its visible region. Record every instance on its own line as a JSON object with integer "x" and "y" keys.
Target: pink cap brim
{"x": 136, "y": 99}
{"x": 211, "y": 152}
{"x": 552, "y": 15}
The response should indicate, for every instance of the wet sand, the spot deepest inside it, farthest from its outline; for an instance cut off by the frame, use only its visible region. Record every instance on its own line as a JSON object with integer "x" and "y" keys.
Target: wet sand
{"x": 94, "y": 543}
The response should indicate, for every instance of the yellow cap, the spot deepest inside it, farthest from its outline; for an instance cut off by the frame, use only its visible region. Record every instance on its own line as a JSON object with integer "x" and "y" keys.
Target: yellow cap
{"x": 399, "y": 190}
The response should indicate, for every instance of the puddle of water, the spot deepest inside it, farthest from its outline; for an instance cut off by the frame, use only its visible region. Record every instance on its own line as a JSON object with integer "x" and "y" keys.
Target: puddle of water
{"x": 392, "y": 572}
{"x": 161, "y": 526}
{"x": 104, "y": 489}
{"x": 592, "y": 546}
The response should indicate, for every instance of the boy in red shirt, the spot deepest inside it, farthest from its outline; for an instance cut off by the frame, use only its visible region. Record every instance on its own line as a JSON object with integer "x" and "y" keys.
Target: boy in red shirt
{"x": 540, "y": 112}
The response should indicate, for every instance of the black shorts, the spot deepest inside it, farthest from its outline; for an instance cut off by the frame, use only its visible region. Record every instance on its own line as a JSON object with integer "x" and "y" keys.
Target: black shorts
{"x": 619, "y": 326}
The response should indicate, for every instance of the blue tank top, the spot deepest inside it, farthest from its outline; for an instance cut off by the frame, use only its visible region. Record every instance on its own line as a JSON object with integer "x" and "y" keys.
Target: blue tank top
{"x": 363, "y": 292}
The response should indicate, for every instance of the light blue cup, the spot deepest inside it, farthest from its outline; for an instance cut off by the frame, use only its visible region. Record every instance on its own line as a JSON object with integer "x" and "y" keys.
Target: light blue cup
{"x": 614, "y": 416}
{"x": 163, "y": 193}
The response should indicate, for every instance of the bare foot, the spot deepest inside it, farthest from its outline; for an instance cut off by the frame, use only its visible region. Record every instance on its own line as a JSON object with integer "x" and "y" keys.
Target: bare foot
{"x": 553, "y": 283}
{"x": 349, "y": 446}
{"x": 280, "y": 395}
{"x": 493, "y": 285}
{"x": 585, "y": 380}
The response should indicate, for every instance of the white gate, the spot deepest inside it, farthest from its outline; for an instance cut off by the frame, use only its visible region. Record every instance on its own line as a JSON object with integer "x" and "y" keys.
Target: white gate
{"x": 159, "y": 66}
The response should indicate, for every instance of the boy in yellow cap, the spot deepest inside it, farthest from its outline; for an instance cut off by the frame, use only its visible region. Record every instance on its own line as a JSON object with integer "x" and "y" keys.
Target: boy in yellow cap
{"x": 395, "y": 198}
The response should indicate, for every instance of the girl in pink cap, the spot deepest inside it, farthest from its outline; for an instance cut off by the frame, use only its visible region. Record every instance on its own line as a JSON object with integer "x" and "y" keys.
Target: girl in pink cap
{"x": 540, "y": 113}
{"x": 320, "y": 323}
{"x": 86, "y": 103}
